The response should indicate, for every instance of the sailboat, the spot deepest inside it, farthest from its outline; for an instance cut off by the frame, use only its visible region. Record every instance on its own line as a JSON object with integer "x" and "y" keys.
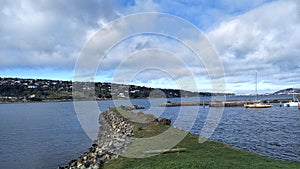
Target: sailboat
{"x": 257, "y": 104}
{"x": 294, "y": 102}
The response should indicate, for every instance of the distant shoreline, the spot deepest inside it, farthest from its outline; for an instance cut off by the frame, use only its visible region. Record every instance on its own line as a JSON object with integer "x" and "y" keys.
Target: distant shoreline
{"x": 227, "y": 103}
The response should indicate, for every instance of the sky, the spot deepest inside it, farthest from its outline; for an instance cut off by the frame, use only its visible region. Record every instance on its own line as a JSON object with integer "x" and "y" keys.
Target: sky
{"x": 46, "y": 39}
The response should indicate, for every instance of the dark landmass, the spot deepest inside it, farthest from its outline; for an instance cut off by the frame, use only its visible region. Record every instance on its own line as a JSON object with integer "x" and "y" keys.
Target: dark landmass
{"x": 287, "y": 91}
{"x": 38, "y": 90}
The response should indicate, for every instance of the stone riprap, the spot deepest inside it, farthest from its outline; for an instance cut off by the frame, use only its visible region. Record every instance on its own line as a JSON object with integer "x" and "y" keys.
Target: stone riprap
{"x": 115, "y": 135}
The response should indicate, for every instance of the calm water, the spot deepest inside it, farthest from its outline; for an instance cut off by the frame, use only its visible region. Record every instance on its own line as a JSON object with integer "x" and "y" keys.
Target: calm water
{"x": 39, "y": 135}
{"x": 45, "y": 135}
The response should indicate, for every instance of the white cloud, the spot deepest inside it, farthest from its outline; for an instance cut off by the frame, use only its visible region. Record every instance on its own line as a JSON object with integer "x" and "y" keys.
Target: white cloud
{"x": 145, "y": 53}
{"x": 47, "y": 33}
{"x": 39, "y": 34}
{"x": 265, "y": 39}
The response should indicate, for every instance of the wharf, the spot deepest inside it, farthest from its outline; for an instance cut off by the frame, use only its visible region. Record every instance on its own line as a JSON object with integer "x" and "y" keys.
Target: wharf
{"x": 230, "y": 103}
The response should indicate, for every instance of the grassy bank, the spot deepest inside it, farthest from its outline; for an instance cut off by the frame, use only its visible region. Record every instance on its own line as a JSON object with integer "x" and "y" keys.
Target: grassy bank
{"x": 210, "y": 154}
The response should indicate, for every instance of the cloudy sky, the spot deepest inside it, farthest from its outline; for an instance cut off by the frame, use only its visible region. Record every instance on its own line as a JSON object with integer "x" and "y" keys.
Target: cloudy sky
{"x": 45, "y": 39}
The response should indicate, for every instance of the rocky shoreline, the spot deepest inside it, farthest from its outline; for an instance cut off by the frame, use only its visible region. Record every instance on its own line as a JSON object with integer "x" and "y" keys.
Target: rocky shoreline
{"x": 115, "y": 135}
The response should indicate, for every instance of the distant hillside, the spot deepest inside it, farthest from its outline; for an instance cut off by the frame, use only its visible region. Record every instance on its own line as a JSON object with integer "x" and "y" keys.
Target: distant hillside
{"x": 287, "y": 91}
{"x": 26, "y": 90}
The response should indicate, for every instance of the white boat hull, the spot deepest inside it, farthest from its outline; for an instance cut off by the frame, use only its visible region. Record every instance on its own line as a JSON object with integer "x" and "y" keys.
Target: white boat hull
{"x": 257, "y": 105}
{"x": 291, "y": 104}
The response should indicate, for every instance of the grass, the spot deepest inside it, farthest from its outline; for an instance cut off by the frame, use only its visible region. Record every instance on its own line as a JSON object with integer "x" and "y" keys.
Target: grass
{"x": 210, "y": 154}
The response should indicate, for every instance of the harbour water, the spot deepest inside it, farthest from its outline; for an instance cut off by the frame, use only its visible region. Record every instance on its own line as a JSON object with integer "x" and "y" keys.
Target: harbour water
{"x": 45, "y": 135}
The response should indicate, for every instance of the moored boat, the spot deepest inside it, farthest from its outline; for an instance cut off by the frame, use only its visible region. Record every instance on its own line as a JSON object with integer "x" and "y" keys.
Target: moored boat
{"x": 293, "y": 103}
{"x": 257, "y": 105}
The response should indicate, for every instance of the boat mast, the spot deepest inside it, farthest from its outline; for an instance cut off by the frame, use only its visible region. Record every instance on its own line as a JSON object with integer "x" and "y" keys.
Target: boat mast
{"x": 293, "y": 93}
{"x": 256, "y": 85}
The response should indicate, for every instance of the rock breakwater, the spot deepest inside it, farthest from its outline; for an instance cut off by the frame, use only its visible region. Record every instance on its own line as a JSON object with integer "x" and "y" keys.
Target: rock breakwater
{"x": 115, "y": 135}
